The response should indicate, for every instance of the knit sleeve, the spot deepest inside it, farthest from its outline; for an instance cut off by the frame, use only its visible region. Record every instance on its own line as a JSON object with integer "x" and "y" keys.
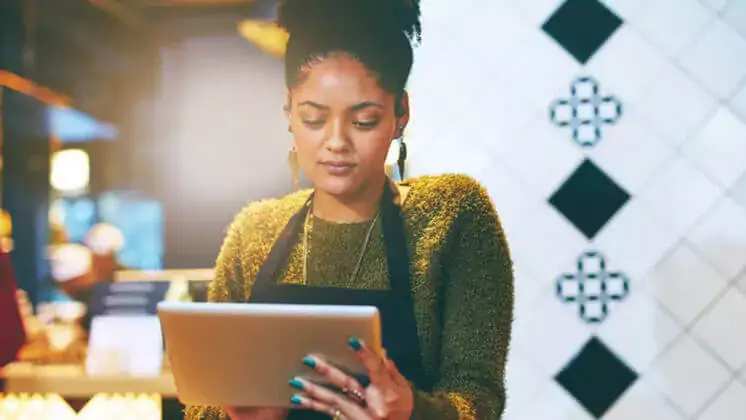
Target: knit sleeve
{"x": 477, "y": 313}
{"x": 228, "y": 285}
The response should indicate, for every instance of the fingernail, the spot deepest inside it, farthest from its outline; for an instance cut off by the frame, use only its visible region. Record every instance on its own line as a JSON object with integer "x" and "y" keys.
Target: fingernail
{"x": 309, "y": 362}
{"x": 355, "y": 343}
{"x": 296, "y": 400}
{"x": 296, "y": 384}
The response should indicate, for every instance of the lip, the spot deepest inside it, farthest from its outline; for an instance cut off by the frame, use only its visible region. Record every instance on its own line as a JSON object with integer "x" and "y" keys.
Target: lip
{"x": 337, "y": 163}
{"x": 338, "y": 167}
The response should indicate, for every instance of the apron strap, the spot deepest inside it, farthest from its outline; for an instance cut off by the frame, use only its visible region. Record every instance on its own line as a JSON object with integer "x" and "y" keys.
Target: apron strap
{"x": 282, "y": 247}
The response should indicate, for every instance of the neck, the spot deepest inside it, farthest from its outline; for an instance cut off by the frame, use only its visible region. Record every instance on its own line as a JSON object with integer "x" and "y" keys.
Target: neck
{"x": 358, "y": 207}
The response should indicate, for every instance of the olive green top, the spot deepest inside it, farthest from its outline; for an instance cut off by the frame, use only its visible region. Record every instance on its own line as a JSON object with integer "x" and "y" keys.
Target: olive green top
{"x": 462, "y": 282}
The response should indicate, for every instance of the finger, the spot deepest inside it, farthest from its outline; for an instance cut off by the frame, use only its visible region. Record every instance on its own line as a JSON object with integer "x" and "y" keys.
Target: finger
{"x": 324, "y": 395}
{"x": 373, "y": 363}
{"x": 337, "y": 377}
{"x": 303, "y": 401}
{"x": 348, "y": 412}
{"x": 394, "y": 373}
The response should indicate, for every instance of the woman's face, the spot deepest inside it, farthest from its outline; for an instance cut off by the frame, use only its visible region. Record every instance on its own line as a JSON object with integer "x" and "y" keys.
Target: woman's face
{"x": 343, "y": 123}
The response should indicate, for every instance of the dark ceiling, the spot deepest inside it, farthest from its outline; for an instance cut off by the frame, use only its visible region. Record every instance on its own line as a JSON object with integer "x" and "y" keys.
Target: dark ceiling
{"x": 92, "y": 50}
{"x": 159, "y": 10}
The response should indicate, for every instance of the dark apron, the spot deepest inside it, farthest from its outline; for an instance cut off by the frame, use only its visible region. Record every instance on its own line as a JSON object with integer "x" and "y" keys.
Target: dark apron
{"x": 399, "y": 327}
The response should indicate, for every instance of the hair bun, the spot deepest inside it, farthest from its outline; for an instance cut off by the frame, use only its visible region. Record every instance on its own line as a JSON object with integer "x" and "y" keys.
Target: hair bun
{"x": 310, "y": 16}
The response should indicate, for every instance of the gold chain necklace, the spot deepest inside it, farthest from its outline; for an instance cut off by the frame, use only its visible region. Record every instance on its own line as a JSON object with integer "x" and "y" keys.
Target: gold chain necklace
{"x": 359, "y": 264}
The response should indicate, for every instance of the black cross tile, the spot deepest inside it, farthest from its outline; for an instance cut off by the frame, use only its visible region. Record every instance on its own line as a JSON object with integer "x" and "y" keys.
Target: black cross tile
{"x": 581, "y": 27}
{"x": 586, "y": 111}
{"x": 596, "y": 377}
{"x": 593, "y": 287}
{"x": 589, "y": 198}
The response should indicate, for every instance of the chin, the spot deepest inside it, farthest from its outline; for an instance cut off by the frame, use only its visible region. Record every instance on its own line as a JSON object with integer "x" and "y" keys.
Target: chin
{"x": 338, "y": 186}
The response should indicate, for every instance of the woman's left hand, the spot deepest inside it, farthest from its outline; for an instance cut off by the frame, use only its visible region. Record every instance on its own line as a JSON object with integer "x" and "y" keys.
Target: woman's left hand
{"x": 389, "y": 395}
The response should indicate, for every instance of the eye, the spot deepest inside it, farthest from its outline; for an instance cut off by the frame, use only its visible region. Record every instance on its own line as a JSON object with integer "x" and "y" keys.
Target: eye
{"x": 313, "y": 123}
{"x": 366, "y": 124}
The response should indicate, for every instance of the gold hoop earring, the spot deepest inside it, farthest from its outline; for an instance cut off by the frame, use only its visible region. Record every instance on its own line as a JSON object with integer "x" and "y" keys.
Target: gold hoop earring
{"x": 294, "y": 166}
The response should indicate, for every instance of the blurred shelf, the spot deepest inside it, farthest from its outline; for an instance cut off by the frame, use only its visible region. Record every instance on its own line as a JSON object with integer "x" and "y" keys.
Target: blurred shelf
{"x": 71, "y": 381}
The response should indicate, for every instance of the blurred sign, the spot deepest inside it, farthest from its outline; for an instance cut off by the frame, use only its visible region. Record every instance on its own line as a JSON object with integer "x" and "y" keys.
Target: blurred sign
{"x": 125, "y": 337}
{"x": 127, "y": 298}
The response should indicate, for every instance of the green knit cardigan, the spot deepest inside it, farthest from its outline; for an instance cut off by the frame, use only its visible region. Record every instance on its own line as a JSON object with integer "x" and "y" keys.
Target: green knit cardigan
{"x": 462, "y": 282}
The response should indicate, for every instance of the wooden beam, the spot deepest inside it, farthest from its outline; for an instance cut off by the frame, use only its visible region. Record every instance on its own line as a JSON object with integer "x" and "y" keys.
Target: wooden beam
{"x": 30, "y": 88}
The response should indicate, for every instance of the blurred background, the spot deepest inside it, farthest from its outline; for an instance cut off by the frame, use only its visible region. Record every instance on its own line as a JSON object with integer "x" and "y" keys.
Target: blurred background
{"x": 610, "y": 134}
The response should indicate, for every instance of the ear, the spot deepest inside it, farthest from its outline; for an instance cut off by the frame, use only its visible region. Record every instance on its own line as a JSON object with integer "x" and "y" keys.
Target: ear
{"x": 402, "y": 114}
{"x": 288, "y": 105}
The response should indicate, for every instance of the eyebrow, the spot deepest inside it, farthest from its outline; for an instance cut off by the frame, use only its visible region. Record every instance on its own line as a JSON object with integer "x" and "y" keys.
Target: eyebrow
{"x": 357, "y": 107}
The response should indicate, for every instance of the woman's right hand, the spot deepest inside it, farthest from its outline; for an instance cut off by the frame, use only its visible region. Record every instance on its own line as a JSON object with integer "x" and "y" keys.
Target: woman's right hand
{"x": 256, "y": 413}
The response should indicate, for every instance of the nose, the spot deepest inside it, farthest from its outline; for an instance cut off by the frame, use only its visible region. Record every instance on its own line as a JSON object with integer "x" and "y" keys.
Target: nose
{"x": 336, "y": 138}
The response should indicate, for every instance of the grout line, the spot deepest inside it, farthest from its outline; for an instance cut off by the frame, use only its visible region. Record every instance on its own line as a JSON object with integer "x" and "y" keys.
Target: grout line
{"x": 721, "y": 14}
{"x": 702, "y": 219}
{"x": 676, "y": 61}
{"x": 732, "y": 190}
{"x": 669, "y": 400}
{"x": 704, "y": 345}
{"x": 739, "y": 86}
{"x": 719, "y": 393}
{"x": 697, "y": 129}
{"x": 725, "y": 11}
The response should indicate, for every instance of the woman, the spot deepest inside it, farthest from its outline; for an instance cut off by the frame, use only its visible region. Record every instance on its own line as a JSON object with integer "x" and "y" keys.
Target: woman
{"x": 12, "y": 331}
{"x": 430, "y": 253}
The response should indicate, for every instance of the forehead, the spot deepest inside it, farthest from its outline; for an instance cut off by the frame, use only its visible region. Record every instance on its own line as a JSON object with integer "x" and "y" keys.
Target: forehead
{"x": 339, "y": 80}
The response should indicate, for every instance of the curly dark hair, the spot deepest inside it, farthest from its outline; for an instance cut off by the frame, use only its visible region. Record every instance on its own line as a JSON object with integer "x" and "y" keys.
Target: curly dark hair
{"x": 379, "y": 33}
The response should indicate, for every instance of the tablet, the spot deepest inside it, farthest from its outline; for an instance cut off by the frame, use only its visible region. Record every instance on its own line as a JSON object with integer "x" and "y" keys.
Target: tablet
{"x": 244, "y": 354}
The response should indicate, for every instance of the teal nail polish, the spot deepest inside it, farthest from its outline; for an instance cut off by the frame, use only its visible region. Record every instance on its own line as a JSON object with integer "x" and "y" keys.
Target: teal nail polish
{"x": 296, "y": 384}
{"x": 296, "y": 400}
{"x": 355, "y": 344}
{"x": 309, "y": 362}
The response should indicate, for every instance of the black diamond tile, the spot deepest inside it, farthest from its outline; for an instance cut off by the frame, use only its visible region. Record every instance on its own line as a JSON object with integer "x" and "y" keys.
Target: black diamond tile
{"x": 596, "y": 377}
{"x": 589, "y": 198}
{"x": 582, "y": 27}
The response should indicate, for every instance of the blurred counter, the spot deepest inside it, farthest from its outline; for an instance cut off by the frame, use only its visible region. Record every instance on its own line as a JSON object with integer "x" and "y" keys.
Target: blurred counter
{"x": 63, "y": 392}
{"x": 71, "y": 381}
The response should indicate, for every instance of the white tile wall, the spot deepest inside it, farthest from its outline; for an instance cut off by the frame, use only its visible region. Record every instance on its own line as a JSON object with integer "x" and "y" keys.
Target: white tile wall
{"x": 566, "y": 334}
{"x": 719, "y": 149}
{"x": 721, "y": 237}
{"x": 643, "y": 401}
{"x": 717, "y": 59}
{"x": 735, "y": 15}
{"x": 687, "y": 19}
{"x": 619, "y": 152}
{"x": 610, "y": 64}
{"x": 675, "y": 105}
{"x": 679, "y": 194}
{"x": 552, "y": 402}
{"x": 714, "y": 5}
{"x": 738, "y": 192}
{"x": 637, "y": 239}
{"x": 730, "y": 309}
{"x": 738, "y": 101}
{"x": 627, "y": 9}
{"x": 728, "y": 405}
{"x": 556, "y": 160}
{"x": 692, "y": 387}
{"x": 684, "y": 284}
{"x": 654, "y": 332}
{"x": 678, "y": 67}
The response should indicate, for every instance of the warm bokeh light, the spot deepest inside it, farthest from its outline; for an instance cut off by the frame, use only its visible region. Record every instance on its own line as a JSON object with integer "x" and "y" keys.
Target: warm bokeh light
{"x": 70, "y": 170}
{"x": 266, "y": 35}
{"x": 53, "y": 407}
